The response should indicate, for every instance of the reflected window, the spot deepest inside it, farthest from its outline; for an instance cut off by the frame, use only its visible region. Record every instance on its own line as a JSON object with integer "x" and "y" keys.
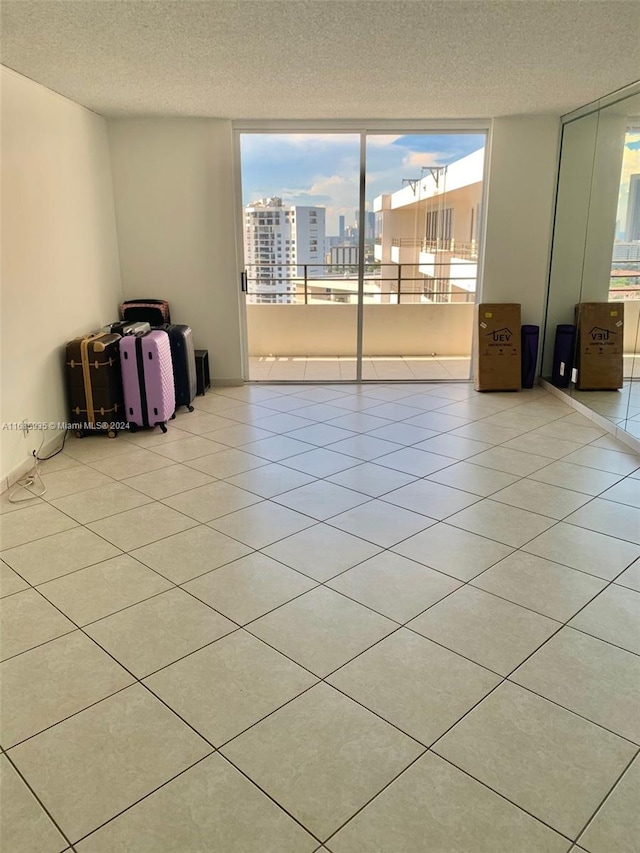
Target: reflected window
{"x": 625, "y": 259}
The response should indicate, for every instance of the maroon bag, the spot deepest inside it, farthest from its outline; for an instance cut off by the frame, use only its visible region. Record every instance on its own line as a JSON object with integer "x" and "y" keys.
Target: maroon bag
{"x": 152, "y": 311}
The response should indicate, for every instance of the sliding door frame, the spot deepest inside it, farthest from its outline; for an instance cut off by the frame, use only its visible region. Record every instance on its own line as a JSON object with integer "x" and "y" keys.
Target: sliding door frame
{"x": 363, "y": 128}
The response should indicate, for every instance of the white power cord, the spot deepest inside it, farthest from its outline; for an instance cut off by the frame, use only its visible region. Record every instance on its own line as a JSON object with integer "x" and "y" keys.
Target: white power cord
{"x": 33, "y": 480}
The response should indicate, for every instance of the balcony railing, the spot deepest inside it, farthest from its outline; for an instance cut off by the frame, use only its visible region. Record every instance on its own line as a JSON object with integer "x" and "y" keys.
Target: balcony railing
{"x": 406, "y": 242}
{"x": 457, "y": 248}
{"x": 339, "y": 284}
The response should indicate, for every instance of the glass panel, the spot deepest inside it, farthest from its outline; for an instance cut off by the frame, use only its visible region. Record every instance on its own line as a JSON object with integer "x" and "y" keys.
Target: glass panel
{"x": 625, "y": 268}
{"x": 570, "y": 237}
{"x": 596, "y": 255}
{"x": 423, "y": 199}
{"x": 300, "y": 196}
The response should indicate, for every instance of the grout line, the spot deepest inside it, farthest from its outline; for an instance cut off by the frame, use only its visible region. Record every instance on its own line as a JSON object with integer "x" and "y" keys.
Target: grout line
{"x": 604, "y": 800}
{"x": 144, "y": 797}
{"x": 40, "y": 803}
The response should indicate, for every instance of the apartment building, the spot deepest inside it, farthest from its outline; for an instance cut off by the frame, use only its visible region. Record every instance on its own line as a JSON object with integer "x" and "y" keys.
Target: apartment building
{"x": 282, "y": 245}
{"x": 431, "y": 227}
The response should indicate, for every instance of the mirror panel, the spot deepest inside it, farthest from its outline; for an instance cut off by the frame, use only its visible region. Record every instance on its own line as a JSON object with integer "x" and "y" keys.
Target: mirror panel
{"x": 596, "y": 244}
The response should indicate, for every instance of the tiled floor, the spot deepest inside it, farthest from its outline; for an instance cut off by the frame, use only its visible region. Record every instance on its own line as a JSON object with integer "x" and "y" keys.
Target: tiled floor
{"x": 377, "y": 619}
{"x": 329, "y": 369}
{"x": 621, "y": 407}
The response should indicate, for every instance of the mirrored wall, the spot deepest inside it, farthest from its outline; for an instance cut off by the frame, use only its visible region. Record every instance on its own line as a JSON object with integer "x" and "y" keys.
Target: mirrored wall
{"x": 596, "y": 259}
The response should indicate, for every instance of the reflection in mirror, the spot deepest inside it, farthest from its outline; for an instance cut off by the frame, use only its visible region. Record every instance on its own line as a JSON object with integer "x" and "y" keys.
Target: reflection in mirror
{"x": 596, "y": 254}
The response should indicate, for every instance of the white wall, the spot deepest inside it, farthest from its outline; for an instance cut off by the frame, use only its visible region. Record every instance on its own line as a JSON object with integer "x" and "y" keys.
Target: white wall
{"x": 60, "y": 273}
{"x": 521, "y": 190}
{"x": 174, "y": 197}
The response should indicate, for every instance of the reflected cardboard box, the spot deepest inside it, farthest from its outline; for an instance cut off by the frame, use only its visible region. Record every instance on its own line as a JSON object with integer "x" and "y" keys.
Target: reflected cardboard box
{"x": 599, "y": 347}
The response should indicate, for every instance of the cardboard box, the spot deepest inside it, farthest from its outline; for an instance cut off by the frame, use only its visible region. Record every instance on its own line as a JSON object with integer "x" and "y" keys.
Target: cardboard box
{"x": 600, "y": 327}
{"x": 497, "y": 357}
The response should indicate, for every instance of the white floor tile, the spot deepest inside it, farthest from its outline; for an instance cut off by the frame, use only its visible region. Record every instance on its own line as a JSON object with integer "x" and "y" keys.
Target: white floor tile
{"x": 381, "y": 523}
{"x": 507, "y": 524}
{"x": 545, "y": 759}
{"x": 324, "y": 780}
{"x": 434, "y": 806}
{"x": 455, "y": 552}
{"x": 484, "y": 628}
{"x": 261, "y": 524}
{"x": 249, "y": 587}
{"x": 234, "y": 816}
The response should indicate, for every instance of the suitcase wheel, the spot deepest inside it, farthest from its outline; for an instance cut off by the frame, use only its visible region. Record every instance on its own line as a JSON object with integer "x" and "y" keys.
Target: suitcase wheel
{"x": 133, "y": 427}
{"x": 112, "y": 433}
{"x": 173, "y": 416}
{"x": 79, "y": 433}
{"x": 190, "y": 408}
{"x": 163, "y": 427}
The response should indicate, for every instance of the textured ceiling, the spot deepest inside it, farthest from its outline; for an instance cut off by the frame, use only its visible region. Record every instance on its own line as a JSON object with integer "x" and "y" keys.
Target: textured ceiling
{"x": 325, "y": 58}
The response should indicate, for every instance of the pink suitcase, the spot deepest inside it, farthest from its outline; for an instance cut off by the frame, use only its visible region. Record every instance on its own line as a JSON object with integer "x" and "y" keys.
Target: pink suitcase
{"x": 147, "y": 379}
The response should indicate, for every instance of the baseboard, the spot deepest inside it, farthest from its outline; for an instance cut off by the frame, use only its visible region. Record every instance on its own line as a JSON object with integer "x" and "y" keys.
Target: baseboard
{"x": 24, "y": 467}
{"x": 226, "y": 383}
{"x": 604, "y": 423}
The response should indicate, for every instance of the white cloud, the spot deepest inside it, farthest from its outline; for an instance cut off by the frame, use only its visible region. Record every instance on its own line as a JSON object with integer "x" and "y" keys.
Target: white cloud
{"x": 423, "y": 158}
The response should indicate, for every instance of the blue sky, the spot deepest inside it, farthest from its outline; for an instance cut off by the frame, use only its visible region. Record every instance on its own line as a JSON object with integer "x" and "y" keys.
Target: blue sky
{"x": 322, "y": 169}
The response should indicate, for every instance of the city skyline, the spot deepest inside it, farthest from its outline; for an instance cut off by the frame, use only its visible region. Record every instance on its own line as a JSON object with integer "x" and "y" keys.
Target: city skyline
{"x": 323, "y": 169}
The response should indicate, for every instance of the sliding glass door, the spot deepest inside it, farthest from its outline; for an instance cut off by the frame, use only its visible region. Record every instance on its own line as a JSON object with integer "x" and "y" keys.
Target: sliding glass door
{"x": 360, "y": 253}
{"x": 300, "y": 197}
{"x": 423, "y": 200}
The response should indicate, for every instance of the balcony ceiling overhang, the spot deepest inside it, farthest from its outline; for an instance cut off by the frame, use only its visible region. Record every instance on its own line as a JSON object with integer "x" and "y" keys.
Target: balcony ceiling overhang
{"x": 315, "y": 59}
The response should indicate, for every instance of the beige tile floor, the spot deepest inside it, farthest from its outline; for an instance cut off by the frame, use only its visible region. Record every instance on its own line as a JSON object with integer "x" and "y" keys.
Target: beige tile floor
{"x": 395, "y": 618}
{"x": 330, "y": 369}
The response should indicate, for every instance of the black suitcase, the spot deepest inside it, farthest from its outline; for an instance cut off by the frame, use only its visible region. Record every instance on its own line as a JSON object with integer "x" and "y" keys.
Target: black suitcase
{"x": 184, "y": 363}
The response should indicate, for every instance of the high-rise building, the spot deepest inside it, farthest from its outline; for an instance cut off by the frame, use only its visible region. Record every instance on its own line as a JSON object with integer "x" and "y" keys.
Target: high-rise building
{"x": 632, "y": 230}
{"x": 341, "y": 228}
{"x": 370, "y": 220}
{"x": 279, "y": 243}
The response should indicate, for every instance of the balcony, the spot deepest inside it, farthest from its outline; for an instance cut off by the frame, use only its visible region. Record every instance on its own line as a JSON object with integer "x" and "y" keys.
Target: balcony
{"x": 305, "y": 327}
{"x": 404, "y": 249}
{"x": 457, "y": 249}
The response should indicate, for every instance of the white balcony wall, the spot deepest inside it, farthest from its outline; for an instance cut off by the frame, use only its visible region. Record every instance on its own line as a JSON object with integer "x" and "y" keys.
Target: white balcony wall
{"x": 426, "y": 264}
{"x": 463, "y": 273}
{"x": 330, "y": 330}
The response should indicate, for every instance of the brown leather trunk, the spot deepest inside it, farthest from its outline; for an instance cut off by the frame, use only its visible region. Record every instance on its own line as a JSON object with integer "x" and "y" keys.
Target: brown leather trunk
{"x": 94, "y": 382}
